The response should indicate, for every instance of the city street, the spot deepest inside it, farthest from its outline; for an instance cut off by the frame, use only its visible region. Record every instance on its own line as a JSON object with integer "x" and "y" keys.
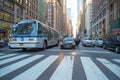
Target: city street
{"x": 85, "y": 63}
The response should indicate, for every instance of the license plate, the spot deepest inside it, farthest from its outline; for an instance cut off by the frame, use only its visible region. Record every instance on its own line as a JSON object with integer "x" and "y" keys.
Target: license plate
{"x": 21, "y": 44}
{"x": 67, "y": 46}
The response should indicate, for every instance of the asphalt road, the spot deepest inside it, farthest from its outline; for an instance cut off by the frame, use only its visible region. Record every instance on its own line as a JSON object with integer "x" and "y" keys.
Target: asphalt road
{"x": 85, "y": 63}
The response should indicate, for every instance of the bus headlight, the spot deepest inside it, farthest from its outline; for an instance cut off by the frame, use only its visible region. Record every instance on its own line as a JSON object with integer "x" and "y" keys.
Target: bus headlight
{"x": 32, "y": 39}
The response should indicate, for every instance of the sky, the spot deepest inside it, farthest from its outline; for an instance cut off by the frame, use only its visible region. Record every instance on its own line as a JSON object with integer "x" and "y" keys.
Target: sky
{"x": 72, "y": 4}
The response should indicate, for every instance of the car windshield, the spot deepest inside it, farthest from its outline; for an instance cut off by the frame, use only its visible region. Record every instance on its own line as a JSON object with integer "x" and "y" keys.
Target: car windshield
{"x": 88, "y": 38}
{"x": 100, "y": 39}
{"x": 69, "y": 39}
{"x": 22, "y": 29}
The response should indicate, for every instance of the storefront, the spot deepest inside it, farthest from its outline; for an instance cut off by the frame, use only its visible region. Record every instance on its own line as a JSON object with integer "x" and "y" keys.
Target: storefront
{"x": 3, "y": 36}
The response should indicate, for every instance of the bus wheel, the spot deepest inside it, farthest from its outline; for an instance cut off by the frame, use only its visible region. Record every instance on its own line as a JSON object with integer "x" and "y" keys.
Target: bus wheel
{"x": 24, "y": 49}
{"x": 44, "y": 45}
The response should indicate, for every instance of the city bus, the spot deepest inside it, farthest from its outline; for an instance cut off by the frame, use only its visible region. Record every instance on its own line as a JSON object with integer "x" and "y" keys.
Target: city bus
{"x": 27, "y": 34}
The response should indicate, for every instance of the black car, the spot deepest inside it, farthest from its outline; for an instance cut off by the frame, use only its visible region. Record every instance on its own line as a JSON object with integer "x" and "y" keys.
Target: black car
{"x": 112, "y": 42}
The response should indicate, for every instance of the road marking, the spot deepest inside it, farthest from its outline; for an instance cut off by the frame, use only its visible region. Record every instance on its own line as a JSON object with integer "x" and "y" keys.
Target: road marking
{"x": 114, "y": 68}
{"x": 34, "y": 72}
{"x": 9, "y": 55}
{"x": 12, "y": 59}
{"x": 10, "y": 68}
{"x": 117, "y": 60}
{"x": 57, "y": 50}
{"x": 91, "y": 70}
{"x": 2, "y": 54}
{"x": 79, "y": 50}
{"x": 95, "y": 51}
{"x": 64, "y": 70}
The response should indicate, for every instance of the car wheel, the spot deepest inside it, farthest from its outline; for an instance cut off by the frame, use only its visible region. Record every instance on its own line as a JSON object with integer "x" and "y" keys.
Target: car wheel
{"x": 24, "y": 49}
{"x": 117, "y": 49}
{"x": 61, "y": 47}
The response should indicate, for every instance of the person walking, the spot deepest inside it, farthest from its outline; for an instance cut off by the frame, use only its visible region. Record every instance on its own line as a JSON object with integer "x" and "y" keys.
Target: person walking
{"x": 77, "y": 42}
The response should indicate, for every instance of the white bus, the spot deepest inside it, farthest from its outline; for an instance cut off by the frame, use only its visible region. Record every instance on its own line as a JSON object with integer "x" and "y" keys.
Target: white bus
{"x": 32, "y": 34}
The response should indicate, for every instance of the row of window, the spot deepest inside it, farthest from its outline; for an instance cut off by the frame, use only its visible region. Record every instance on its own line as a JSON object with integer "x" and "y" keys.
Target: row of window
{"x": 50, "y": 33}
{"x": 101, "y": 15}
{"x": 7, "y": 4}
{"x": 6, "y": 16}
{"x": 97, "y": 27}
{"x": 20, "y": 1}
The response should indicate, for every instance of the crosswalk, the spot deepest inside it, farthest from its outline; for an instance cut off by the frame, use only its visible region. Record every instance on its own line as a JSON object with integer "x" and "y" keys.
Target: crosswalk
{"x": 56, "y": 67}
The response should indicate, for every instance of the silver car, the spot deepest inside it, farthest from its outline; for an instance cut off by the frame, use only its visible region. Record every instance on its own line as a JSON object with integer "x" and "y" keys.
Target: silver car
{"x": 87, "y": 42}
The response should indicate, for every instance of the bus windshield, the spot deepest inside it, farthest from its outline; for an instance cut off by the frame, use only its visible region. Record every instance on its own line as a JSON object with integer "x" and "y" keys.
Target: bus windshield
{"x": 22, "y": 29}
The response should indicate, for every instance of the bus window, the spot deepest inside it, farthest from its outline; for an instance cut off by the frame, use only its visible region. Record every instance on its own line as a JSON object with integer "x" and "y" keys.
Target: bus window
{"x": 39, "y": 29}
{"x": 22, "y": 29}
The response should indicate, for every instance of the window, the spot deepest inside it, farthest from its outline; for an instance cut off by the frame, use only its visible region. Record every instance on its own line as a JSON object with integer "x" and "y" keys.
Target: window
{"x": 1, "y": 2}
{"x": 1, "y": 14}
{"x": 7, "y": 17}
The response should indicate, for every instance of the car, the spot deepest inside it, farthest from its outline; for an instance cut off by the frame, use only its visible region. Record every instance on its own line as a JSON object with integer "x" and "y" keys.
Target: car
{"x": 2, "y": 42}
{"x": 99, "y": 42}
{"x": 112, "y": 41}
{"x": 67, "y": 42}
{"x": 87, "y": 42}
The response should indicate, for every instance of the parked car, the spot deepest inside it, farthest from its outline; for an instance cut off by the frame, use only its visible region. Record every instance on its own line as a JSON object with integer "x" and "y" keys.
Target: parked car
{"x": 87, "y": 42}
{"x": 99, "y": 42}
{"x": 112, "y": 42}
{"x": 67, "y": 43}
{"x": 2, "y": 42}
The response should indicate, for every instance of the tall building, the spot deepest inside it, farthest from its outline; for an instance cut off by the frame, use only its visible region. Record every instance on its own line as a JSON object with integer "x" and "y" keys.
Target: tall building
{"x": 99, "y": 19}
{"x": 81, "y": 23}
{"x": 56, "y": 15}
{"x": 53, "y": 14}
{"x": 64, "y": 17}
{"x": 31, "y": 9}
{"x": 88, "y": 17}
{"x": 42, "y": 10}
{"x": 69, "y": 11}
{"x": 12, "y": 11}
{"x": 114, "y": 16}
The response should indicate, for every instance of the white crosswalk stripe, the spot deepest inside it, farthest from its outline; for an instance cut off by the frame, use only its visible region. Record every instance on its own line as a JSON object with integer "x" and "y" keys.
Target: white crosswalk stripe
{"x": 36, "y": 70}
{"x": 116, "y": 60}
{"x": 1, "y": 54}
{"x": 9, "y": 55}
{"x": 64, "y": 69}
{"x": 15, "y": 66}
{"x": 12, "y": 59}
{"x": 114, "y": 68}
{"x": 91, "y": 70}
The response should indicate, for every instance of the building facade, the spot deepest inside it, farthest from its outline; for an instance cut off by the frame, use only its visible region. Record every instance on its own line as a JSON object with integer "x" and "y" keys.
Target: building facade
{"x": 88, "y": 17}
{"x": 53, "y": 16}
{"x": 85, "y": 18}
{"x": 114, "y": 16}
{"x": 31, "y": 9}
{"x": 42, "y": 11}
{"x": 12, "y": 11}
{"x": 99, "y": 19}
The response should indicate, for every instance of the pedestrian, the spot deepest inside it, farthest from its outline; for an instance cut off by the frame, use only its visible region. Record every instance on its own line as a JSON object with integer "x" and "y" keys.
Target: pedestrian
{"x": 77, "y": 42}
